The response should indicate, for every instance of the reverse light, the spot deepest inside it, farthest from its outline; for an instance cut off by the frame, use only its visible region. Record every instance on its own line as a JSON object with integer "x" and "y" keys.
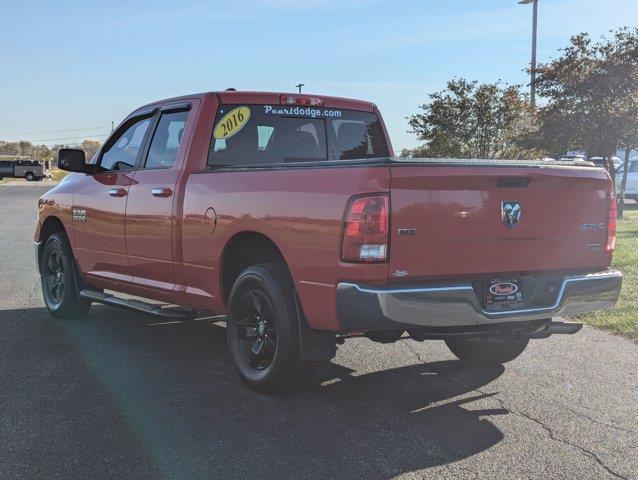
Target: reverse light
{"x": 365, "y": 233}
{"x": 611, "y": 224}
{"x": 301, "y": 100}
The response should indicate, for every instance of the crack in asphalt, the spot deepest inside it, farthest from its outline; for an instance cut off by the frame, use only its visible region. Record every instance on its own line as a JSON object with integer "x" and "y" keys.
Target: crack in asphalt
{"x": 34, "y": 289}
{"x": 552, "y": 435}
{"x": 599, "y": 422}
{"x": 550, "y": 432}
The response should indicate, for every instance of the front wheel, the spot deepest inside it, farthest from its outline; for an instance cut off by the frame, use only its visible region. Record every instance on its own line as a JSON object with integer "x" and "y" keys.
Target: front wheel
{"x": 59, "y": 279}
{"x": 29, "y": 176}
{"x": 262, "y": 331}
{"x": 481, "y": 352}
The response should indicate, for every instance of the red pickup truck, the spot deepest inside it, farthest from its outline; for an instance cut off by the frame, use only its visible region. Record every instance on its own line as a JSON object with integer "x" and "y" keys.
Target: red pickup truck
{"x": 289, "y": 214}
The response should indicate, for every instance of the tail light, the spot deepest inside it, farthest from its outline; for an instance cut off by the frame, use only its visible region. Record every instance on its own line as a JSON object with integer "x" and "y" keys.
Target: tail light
{"x": 301, "y": 100}
{"x": 365, "y": 234}
{"x": 611, "y": 224}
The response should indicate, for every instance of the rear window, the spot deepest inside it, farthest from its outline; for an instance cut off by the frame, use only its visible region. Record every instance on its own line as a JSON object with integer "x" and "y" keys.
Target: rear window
{"x": 273, "y": 134}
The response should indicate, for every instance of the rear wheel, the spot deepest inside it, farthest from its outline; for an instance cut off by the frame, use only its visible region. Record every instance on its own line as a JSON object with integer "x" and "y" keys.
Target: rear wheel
{"x": 60, "y": 280}
{"x": 481, "y": 352}
{"x": 262, "y": 331}
{"x": 29, "y": 176}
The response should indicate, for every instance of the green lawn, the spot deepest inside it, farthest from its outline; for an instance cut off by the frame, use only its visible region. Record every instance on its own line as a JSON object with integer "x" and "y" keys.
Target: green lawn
{"x": 57, "y": 174}
{"x": 624, "y": 318}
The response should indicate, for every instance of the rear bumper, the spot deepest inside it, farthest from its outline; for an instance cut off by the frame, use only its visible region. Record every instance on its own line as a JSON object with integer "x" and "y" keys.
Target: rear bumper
{"x": 379, "y": 308}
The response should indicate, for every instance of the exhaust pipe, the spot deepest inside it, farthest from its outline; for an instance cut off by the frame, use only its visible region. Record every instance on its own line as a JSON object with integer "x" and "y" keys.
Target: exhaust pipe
{"x": 558, "y": 328}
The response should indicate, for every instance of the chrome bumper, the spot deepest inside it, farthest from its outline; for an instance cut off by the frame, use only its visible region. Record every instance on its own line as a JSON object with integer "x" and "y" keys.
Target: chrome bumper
{"x": 366, "y": 308}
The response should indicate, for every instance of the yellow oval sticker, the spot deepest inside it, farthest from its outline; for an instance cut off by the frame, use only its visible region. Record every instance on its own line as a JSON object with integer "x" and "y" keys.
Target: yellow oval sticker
{"x": 231, "y": 123}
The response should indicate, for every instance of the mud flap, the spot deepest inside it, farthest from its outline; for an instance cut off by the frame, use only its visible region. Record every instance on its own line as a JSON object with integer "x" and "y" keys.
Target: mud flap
{"x": 315, "y": 345}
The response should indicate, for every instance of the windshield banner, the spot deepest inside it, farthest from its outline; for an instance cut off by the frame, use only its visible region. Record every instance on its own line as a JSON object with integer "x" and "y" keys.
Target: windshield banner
{"x": 302, "y": 112}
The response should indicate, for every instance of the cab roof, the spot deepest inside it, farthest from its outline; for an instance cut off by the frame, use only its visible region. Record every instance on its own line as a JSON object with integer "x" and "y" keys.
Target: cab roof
{"x": 233, "y": 97}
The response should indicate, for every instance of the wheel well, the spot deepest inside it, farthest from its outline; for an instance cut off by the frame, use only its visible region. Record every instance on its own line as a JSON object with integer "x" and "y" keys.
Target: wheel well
{"x": 50, "y": 226}
{"x": 243, "y": 250}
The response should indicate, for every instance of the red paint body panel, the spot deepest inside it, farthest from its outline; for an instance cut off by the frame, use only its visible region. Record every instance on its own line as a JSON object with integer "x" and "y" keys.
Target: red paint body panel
{"x": 149, "y": 229}
{"x": 100, "y": 245}
{"x": 456, "y": 212}
{"x": 162, "y": 248}
{"x": 307, "y": 230}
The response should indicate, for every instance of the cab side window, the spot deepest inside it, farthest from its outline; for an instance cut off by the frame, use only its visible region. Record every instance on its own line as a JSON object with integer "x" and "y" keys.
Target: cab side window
{"x": 166, "y": 140}
{"x": 122, "y": 153}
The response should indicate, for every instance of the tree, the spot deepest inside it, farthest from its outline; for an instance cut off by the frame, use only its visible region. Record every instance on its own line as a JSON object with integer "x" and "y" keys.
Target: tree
{"x": 24, "y": 148}
{"x": 471, "y": 120}
{"x": 591, "y": 95}
{"x": 90, "y": 147}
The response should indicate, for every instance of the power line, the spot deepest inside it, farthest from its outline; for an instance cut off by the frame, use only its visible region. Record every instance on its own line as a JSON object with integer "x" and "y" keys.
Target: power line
{"x": 56, "y": 131}
{"x": 69, "y": 138}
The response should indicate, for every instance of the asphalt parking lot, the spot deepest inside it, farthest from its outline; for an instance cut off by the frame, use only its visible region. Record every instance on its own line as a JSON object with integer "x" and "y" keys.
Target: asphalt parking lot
{"x": 117, "y": 395}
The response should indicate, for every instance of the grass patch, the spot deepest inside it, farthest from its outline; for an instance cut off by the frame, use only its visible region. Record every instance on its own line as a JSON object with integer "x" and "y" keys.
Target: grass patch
{"x": 57, "y": 174}
{"x": 623, "y": 318}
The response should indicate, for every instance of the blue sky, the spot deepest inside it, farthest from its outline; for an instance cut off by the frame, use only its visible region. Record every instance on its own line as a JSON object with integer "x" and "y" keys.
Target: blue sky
{"x": 70, "y": 65}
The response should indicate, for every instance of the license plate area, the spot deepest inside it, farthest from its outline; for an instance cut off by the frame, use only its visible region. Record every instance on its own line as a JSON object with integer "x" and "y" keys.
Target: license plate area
{"x": 503, "y": 294}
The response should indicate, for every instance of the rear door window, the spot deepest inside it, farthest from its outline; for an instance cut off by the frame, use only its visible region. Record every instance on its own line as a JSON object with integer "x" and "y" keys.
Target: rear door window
{"x": 253, "y": 135}
{"x": 166, "y": 140}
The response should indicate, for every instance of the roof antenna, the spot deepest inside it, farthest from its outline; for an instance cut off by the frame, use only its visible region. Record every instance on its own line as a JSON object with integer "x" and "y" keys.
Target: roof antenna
{"x": 231, "y": 89}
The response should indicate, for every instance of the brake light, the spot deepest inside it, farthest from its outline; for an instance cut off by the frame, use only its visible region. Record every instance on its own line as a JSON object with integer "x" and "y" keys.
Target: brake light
{"x": 365, "y": 234}
{"x": 301, "y": 100}
{"x": 611, "y": 224}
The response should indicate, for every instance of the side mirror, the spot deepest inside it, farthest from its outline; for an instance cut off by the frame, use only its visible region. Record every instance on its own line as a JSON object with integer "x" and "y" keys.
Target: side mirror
{"x": 72, "y": 160}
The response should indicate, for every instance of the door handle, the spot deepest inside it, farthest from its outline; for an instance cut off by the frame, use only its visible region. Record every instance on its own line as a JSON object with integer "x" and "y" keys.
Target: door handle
{"x": 117, "y": 192}
{"x": 162, "y": 192}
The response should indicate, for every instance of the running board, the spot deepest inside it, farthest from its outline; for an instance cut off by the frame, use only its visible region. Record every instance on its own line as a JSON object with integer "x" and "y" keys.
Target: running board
{"x": 135, "y": 305}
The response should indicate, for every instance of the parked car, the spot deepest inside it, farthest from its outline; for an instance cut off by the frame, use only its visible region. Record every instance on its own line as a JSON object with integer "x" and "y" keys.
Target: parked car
{"x": 631, "y": 189}
{"x": 289, "y": 214}
{"x": 571, "y": 157}
{"x": 32, "y": 170}
{"x": 600, "y": 162}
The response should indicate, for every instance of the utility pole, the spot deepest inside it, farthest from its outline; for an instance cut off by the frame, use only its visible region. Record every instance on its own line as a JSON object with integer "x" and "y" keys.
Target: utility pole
{"x": 532, "y": 84}
{"x": 112, "y": 126}
{"x": 299, "y": 85}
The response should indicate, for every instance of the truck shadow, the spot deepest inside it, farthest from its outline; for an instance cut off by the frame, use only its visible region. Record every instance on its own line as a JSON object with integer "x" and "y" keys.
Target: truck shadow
{"x": 173, "y": 388}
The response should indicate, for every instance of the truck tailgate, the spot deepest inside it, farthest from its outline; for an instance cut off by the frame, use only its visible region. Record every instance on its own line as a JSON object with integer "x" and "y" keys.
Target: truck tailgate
{"x": 447, "y": 220}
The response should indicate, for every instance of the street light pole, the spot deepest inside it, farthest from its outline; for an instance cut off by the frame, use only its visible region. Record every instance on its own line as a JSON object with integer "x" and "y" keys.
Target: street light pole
{"x": 299, "y": 85}
{"x": 532, "y": 85}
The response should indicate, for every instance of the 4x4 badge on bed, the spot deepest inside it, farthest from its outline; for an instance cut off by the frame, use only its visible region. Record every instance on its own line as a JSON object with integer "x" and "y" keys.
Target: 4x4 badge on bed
{"x": 510, "y": 213}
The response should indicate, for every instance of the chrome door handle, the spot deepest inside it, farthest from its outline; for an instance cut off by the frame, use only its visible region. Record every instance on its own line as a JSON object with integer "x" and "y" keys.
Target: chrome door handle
{"x": 162, "y": 192}
{"x": 117, "y": 192}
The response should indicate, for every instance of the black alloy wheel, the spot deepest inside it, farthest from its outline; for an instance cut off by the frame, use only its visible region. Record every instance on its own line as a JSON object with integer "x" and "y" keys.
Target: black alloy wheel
{"x": 54, "y": 277}
{"x": 262, "y": 330}
{"x": 61, "y": 283}
{"x": 256, "y": 329}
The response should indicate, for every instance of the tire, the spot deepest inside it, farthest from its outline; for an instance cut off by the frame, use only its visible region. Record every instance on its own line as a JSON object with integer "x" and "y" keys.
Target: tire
{"x": 29, "y": 176}
{"x": 60, "y": 279}
{"x": 262, "y": 331}
{"x": 480, "y": 352}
